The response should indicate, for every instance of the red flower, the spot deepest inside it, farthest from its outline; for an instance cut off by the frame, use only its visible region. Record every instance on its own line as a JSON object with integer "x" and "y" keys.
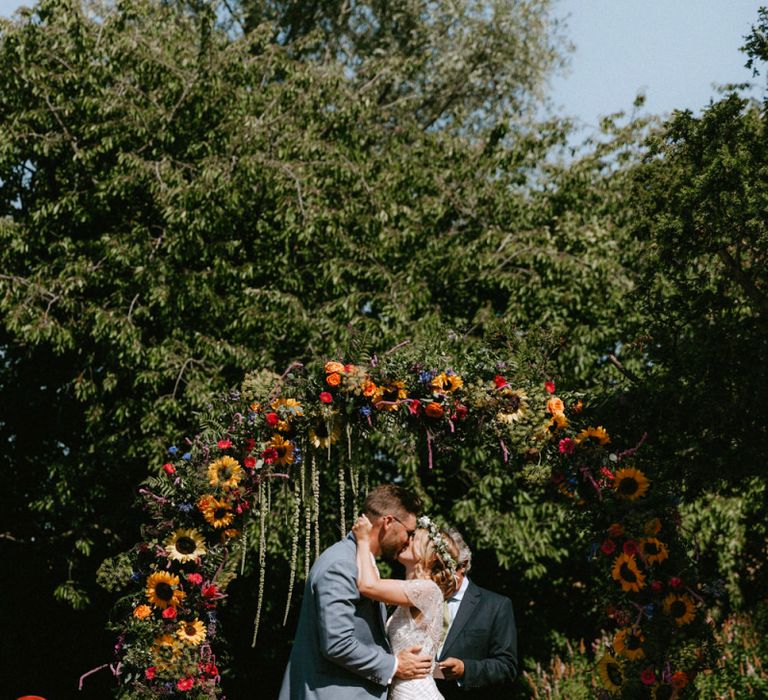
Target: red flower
{"x": 210, "y": 669}
{"x": 272, "y": 419}
{"x": 194, "y": 579}
{"x": 169, "y": 613}
{"x": 224, "y": 444}
{"x": 250, "y": 443}
{"x": 434, "y": 410}
{"x": 169, "y": 469}
{"x": 656, "y": 586}
{"x": 460, "y": 413}
{"x": 550, "y": 387}
{"x": 648, "y": 677}
{"x": 608, "y": 547}
{"x": 499, "y": 381}
{"x": 675, "y": 582}
{"x": 607, "y": 473}
{"x": 149, "y": 673}
{"x": 210, "y": 591}
{"x": 325, "y": 397}
{"x": 249, "y": 462}
{"x": 185, "y": 683}
{"x": 269, "y": 455}
{"x": 679, "y": 680}
{"x": 414, "y": 407}
{"x": 567, "y": 446}
{"x": 630, "y": 548}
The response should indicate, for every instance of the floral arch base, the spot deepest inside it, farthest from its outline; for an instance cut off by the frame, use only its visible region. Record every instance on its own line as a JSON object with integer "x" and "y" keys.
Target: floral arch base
{"x": 281, "y": 448}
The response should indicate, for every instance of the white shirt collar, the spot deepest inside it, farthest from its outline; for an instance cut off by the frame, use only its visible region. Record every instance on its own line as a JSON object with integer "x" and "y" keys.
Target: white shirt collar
{"x": 458, "y": 595}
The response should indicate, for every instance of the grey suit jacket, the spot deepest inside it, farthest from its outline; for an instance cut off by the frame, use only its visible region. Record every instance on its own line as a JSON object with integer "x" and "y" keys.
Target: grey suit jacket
{"x": 340, "y": 651}
{"x": 484, "y": 637}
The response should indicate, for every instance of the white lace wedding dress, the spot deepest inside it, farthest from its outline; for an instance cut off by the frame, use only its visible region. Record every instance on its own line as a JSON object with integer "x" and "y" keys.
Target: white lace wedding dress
{"x": 425, "y": 631}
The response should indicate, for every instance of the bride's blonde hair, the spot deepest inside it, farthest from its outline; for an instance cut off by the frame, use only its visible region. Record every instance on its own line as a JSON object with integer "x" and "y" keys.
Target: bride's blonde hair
{"x": 431, "y": 564}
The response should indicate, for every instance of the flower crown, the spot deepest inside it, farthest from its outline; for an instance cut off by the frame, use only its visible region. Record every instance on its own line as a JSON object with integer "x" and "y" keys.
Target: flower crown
{"x": 438, "y": 542}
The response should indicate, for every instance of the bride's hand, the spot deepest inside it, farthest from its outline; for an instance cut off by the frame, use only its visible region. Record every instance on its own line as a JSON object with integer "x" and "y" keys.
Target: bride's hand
{"x": 362, "y": 528}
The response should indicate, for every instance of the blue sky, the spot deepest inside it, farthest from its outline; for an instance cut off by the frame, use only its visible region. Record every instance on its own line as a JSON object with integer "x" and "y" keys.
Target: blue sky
{"x": 672, "y": 50}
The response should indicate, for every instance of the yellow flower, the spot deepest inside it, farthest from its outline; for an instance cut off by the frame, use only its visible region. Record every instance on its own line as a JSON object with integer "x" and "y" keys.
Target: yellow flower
{"x": 625, "y": 571}
{"x": 185, "y": 545}
{"x": 321, "y": 436}
{"x": 630, "y": 483}
{"x": 216, "y": 513}
{"x": 191, "y": 632}
{"x": 446, "y": 383}
{"x": 291, "y": 405}
{"x": 284, "y": 449}
{"x": 680, "y": 607}
{"x": 387, "y": 397}
{"x": 513, "y": 407}
{"x": 654, "y": 551}
{"x": 628, "y": 642}
{"x": 141, "y": 612}
{"x": 225, "y": 472}
{"x": 165, "y": 652}
{"x": 611, "y": 674}
{"x": 229, "y": 534}
{"x": 163, "y": 591}
{"x": 557, "y": 422}
{"x": 592, "y": 437}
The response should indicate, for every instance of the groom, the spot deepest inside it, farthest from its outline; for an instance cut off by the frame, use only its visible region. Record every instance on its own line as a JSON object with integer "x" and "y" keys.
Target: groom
{"x": 341, "y": 650}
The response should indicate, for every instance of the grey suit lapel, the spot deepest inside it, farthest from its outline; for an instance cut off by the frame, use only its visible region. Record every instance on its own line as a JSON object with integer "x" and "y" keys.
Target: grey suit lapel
{"x": 463, "y": 615}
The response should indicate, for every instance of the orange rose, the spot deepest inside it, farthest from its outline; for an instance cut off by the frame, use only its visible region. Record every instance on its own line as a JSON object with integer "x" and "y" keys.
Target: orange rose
{"x": 615, "y": 530}
{"x": 679, "y": 680}
{"x": 333, "y": 379}
{"x": 434, "y": 410}
{"x": 331, "y": 367}
{"x": 368, "y": 387}
{"x": 555, "y": 405}
{"x": 578, "y": 407}
{"x": 141, "y": 612}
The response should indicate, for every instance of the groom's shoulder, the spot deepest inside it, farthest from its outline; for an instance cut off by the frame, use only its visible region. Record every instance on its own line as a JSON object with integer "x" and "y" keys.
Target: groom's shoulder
{"x": 341, "y": 553}
{"x": 490, "y": 596}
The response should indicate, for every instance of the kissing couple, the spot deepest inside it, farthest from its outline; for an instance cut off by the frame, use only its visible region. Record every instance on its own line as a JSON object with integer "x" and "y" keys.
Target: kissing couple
{"x": 346, "y": 649}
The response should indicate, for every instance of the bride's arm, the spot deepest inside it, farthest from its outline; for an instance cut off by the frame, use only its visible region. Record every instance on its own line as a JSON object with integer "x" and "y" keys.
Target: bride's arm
{"x": 386, "y": 590}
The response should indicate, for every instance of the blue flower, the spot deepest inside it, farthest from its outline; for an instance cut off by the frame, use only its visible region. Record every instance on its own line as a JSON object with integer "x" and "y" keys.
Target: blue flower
{"x": 297, "y": 455}
{"x": 187, "y": 456}
{"x": 365, "y": 410}
{"x": 648, "y": 610}
{"x": 135, "y": 576}
{"x": 172, "y": 450}
{"x": 426, "y": 376}
{"x": 185, "y": 507}
{"x": 212, "y": 616}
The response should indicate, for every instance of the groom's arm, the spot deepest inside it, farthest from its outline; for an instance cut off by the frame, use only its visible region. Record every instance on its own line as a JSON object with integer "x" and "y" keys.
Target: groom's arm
{"x": 500, "y": 665}
{"x": 335, "y": 595}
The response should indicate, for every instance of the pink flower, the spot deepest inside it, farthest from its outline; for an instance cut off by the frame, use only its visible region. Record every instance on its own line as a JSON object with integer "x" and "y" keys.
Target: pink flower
{"x": 325, "y": 397}
{"x": 499, "y": 381}
{"x": 224, "y": 444}
{"x": 550, "y": 387}
{"x": 249, "y": 462}
{"x": 414, "y": 407}
{"x": 567, "y": 446}
{"x": 149, "y": 673}
{"x": 169, "y": 469}
{"x": 169, "y": 613}
{"x": 272, "y": 419}
{"x": 185, "y": 684}
{"x": 648, "y": 677}
{"x": 608, "y": 547}
{"x": 675, "y": 582}
{"x": 195, "y": 579}
{"x": 269, "y": 455}
{"x": 630, "y": 548}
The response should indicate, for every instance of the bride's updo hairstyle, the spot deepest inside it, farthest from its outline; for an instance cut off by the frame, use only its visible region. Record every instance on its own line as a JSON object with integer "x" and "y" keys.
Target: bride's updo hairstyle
{"x": 436, "y": 555}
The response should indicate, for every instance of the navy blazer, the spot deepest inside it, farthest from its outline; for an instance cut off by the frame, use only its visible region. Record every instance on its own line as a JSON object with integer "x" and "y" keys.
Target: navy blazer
{"x": 484, "y": 637}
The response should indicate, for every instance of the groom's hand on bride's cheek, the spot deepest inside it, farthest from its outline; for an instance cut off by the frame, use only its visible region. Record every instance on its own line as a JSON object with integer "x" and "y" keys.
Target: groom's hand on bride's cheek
{"x": 453, "y": 668}
{"x": 411, "y": 663}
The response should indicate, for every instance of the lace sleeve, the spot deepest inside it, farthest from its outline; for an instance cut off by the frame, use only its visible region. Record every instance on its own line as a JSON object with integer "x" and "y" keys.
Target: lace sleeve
{"x": 425, "y": 595}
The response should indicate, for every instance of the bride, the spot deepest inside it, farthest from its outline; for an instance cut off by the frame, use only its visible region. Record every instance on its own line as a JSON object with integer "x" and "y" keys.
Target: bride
{"x": 430, "y": 578}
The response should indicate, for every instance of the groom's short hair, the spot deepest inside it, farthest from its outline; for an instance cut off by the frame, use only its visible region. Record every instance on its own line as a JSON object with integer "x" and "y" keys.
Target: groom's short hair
{"x": 391, "y": 499}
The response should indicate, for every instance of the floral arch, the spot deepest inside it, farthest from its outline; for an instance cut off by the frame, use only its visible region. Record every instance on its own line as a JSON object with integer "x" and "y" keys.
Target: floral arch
{"x": 308, "y": 435}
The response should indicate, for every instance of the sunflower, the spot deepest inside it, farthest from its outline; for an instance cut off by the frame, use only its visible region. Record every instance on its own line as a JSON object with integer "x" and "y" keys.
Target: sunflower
{"x": 652, "y": 527}
{"x": 284, "y": 449}
{"x": 165, "y": 652}
{"x": 163, "y": 590}
{"x": 191, "y": 632}
{"x": 630, "y": 483}
{"x": 654, "y": 551}
{"x": 446, "y": 383}
{"x": 611, "y": 674}
{"x": 625, "y": 571}
{"x": 323, "y": 435}
{"x": 229, "y": 534}
{"x": 557, "y": 422}
{"x": 680, "y": 607}
{"x": 292, "y": 405}
{"x": 592, "y": 437}
{"x": 185, "y": 545}
{"x": 225, "y": 472}
{"x": 513, "y": 407}
{"x": 628, "y": 642}
{"x": 216, "y": 513}
{"x": 387, "y": 397}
